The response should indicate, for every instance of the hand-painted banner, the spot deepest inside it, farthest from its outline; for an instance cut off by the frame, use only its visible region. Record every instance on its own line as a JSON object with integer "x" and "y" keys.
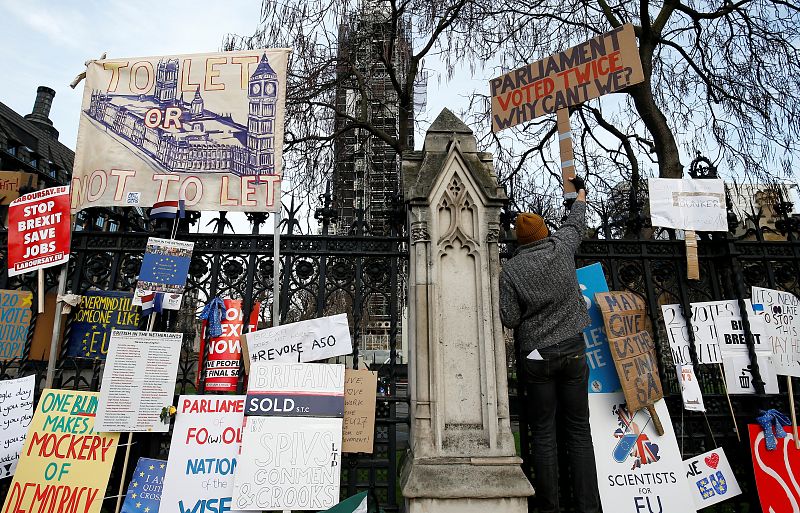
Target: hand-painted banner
{"x": 16, "y": 412}
{"x": 222, "y": 364}
{"x": 781, "y": 314}
{"x": 39, "y": 230}
{"x": 602, "y": 373}
{"x": 637, "y": 470}
{"x": 711, "y": 478}
{"x": 165, "y": 265}
{"x": 603, "y": 65}
{"x": 637, "y": 366}
{"x": 138, "y": 381}
{"x": 206, "y": 441}
{"x": 205, "y": 128}
{"x": 624, "y": 313}
{"x": 10, "y": 183}
{"x": 15, "y": 321}
{"x": 296, "y": 390}
{"x": 776, "y": 471}
{"x": 358, "y": 430}
{"x": 688, "y": 204}
{"x": 64, "y": 460}
{"x": 98, "y": 313}
{"x": 289, "y": 465}
{"x": 144, "y": 490}
{"x": 304, "y": 341}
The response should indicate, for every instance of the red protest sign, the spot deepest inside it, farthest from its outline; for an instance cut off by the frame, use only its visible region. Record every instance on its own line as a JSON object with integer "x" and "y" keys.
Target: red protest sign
{"x": 222, "y": 367}
{"x": 38, "y": 230}
{"x": 775, "y": 471}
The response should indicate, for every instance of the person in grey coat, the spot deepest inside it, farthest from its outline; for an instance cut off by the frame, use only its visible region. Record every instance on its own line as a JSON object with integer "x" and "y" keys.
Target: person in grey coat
{"x": 540, "y": 299}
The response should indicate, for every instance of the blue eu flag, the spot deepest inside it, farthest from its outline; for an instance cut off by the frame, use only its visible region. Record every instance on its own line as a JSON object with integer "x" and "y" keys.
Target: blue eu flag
{"x": 144, "y": 490}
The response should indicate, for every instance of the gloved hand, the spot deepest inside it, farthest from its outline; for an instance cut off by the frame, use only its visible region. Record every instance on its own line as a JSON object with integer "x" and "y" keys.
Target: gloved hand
{"x": 578, "y": 182}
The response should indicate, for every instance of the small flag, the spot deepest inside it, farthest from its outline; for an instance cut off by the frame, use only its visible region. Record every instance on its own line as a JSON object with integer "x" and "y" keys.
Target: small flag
{"x": 757, "y": 307}
{"x": 165, "y": 210}
{"x": 152, "y": 303}
{"x": 354, "y": 504}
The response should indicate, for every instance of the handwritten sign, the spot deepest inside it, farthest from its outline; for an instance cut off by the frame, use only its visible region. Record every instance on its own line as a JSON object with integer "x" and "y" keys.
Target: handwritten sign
{"x": 11, "y": 181}
{"x": 711, "y": 478}
{"x": 138, "y": 381}
{"x": 64, "y": 460}
{"x": 739, "y": 373}
{"x": 97, "y": 314}
{"x": 165, "y": 265}
{"x": 732, "y": 339}
{"x": 776, "y": 471}
{"x": 38, "y": 230}
{"x": 637, "y": 366}
{"x": 704, "y": 316}
{"x": 222, "y": 363}
{"x": 637, "y": 470}
{"x": 16, "y": 412}
{"x": 690, "y": 388}
{"x": 304, "y": 341}
{"x": 296, "y": 390}
{"x": 688, "y": 204}
{"x": 606, "y": 64}
{"x": 602, "y": 374}
{"x": 206, "y": 440}
{"x": 624, "y": 313}
{"x": 781, "y": 314}
{"x": 144, "y": 490}
{"x": 15, "y": 321}
{"x": 289, "y": 465}
{"x": 358, "y": 433}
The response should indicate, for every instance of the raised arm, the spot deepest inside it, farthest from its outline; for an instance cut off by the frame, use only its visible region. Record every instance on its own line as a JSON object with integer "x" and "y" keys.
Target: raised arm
{"x": 573, "y": 229}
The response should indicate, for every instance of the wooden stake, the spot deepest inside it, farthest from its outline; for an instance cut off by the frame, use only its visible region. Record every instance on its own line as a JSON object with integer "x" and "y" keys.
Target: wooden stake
{"x": 792, "y": 412}
{"x": 692, "y": 266}
{"x": 730, "y": 404}
{"x": 565, "y": 147}
{"x": 56, "y": 338}
{"x": 40, "y": 275}
{"x": 651, "y": 409}
{"x": 120, "y": 495}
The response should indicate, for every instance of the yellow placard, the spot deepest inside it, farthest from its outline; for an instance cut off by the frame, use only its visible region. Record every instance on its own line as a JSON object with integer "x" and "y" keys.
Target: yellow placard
{"x": 64, "y": 465}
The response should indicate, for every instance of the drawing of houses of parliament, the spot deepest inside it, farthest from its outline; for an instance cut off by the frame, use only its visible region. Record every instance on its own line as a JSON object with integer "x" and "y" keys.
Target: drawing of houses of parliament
{"x": 206, "y": 141}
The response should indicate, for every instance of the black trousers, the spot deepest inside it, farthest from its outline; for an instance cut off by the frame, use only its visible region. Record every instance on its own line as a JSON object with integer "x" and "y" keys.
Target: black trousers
{"x": 559, "y": 414}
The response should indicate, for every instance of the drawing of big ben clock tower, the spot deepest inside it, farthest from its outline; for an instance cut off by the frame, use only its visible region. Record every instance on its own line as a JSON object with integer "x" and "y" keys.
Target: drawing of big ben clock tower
{"x": 263, "y": 94}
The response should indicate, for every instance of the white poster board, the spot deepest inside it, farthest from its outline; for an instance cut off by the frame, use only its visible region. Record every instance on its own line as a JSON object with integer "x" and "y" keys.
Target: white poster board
{"x": 636, "y": 468}
{"x": 705, "y": 331}
{"x": 688, "y": 204}
{"x": 305, "y": 341}
{"x": 16, "y": 413}
{"x": 711, "y": 478}
{"x": 781, "y": 313}
{"x": 691, "y": 393}
{"x": 138, "y": 381}
{"x": 296, "y": 390}
{"x": 289, "y": 464}
{"x": 206, "y": 440}
{"x": 732, "y": 339}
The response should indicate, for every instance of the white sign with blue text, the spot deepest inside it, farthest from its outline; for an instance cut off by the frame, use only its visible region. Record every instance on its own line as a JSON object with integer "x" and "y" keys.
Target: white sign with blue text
{"x": 602, "y": 372}
{"x": 711, "y": 478}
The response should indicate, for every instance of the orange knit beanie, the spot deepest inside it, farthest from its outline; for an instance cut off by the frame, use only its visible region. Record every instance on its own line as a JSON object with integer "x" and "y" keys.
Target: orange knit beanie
{"x": 530, "y": 228}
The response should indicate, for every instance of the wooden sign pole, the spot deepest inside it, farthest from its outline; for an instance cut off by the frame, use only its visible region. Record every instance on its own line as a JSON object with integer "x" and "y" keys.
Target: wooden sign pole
{"x": 40, "y": 276}
{"x": 565, "y": 147}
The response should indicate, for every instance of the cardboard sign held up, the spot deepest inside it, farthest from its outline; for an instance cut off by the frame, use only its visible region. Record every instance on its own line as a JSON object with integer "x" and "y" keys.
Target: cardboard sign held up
{"x": 637, "y": 366}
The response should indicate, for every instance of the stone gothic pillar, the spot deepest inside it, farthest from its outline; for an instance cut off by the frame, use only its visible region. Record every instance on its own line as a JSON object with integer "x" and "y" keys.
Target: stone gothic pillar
{"x": 462, "y": 450}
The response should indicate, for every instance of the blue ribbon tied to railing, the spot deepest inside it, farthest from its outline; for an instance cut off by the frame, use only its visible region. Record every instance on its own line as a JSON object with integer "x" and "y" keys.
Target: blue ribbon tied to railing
{"x": 772, "y": 422}
{"x": 212, "y": 313}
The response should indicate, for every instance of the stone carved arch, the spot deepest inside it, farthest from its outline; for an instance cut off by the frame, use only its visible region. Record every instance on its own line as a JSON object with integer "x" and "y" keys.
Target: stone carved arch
{"x": 458, "y": 216}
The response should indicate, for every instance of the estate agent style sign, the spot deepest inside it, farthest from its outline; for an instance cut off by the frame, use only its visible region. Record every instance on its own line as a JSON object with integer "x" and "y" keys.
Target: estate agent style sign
{"x": 38, "y": 230}
{"x": 204, "y": 128}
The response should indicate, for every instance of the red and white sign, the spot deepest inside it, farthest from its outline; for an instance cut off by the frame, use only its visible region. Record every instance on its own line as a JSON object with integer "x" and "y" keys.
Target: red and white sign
{"x": 223, "y": 363}
{"x": 38, "y": 230}
{"x": 776, "y": 471}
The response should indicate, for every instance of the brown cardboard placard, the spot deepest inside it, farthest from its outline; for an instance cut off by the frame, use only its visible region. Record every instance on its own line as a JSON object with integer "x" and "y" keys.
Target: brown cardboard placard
{"x": 11, "y": 181}
{"x": 624, "y": 313}
{"x": 692, "y": 265}
{"x": 358, "y": 428}
{"x": 606, "y": 64}
{"x": 637, "y": 366}
{"x": 43, "y": 329}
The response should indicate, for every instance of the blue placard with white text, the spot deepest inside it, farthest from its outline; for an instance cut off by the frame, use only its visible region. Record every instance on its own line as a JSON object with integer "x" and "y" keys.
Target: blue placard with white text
{"x": 602, "y": 372}
{"x": 165, "y": 265}
{"x": 144, "y": 490}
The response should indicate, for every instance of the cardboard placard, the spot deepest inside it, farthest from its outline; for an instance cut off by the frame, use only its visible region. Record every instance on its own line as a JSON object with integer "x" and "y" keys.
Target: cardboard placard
{"x": 637, "y": 366}
{"x": 43, "y": 329}
{"x": 602, "y": 373}
{"x": 39, "y": 230}
{"x": 138, "y": 381}
{"x": 165, "y": 265}
{"x": 776, "y": 471}
{"x": 358, "y": 431}
{"x": 64, "y": 458}
{"x": 296, "y": 390}
{"x": 144, "y": 490}
{"x": 688, "y": 204}
{"x": 289, "y": 464}
{"x": 624, "y": 313}
{"x": 15, "y": 320}
{"x": 690, "y": 388}
{"x": 222, "y": 364}
{"x": 636, "y": 469}
{"x": 16, "y": 406}
{"x": 206, "y": 441}
{"x": 98, "y": 313}
{"x": 606, "y": 64}
{"x": 11, "y": 181}
{"x": 305, "y": 341}
{"x": 711, "y": 478}
{"x": 781, "y": 315}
